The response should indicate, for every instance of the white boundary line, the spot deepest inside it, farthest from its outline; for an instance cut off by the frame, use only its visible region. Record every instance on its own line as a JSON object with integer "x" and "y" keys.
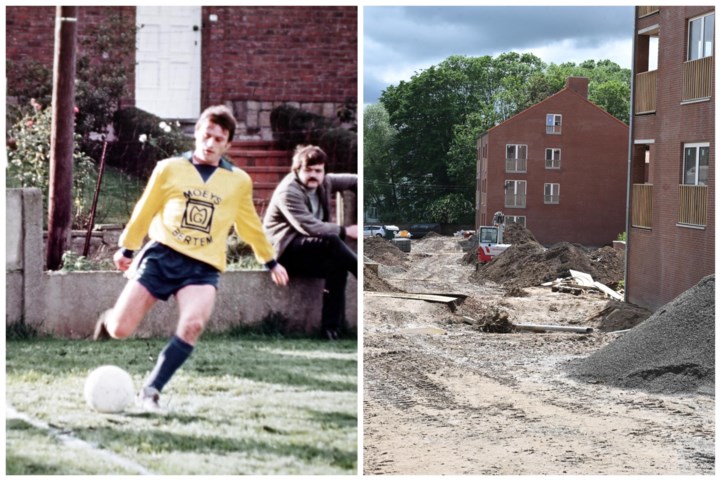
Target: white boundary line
{"x": 70, "y": 440}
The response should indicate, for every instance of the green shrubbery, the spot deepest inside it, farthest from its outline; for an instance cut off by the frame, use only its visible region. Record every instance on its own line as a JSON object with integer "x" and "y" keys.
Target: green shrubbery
{"x": 292, "y": 126}
{"x": 143, "y": 139}
{"x": 29, "y": 161}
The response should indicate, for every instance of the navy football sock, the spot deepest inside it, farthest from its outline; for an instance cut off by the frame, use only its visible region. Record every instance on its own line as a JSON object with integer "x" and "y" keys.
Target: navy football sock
{"x": 171, "y": 358}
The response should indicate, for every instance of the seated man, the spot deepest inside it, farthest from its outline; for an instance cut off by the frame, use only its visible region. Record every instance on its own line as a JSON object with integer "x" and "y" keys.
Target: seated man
{"x": 307, "y": 243}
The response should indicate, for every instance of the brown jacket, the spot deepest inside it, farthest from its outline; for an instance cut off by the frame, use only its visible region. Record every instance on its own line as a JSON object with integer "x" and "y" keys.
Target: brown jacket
{"x": 289, "y": 213}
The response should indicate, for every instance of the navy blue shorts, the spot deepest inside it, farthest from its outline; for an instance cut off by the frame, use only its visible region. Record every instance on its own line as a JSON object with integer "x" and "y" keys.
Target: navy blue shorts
{"x": 163, "y": 271}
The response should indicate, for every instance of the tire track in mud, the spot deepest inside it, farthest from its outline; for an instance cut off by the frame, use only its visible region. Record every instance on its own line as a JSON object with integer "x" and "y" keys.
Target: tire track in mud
{"x": 485, "y": 404}
{"x": 426, "y": 380}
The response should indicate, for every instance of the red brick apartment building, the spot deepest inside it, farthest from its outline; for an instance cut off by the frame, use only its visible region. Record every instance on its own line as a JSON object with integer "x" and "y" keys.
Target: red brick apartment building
{"x": 671, "y": 233}
{"x": 559, "y": 168}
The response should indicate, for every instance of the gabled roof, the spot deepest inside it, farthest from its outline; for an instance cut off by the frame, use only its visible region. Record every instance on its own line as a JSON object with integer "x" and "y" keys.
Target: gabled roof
{"x": 537, "y": 105}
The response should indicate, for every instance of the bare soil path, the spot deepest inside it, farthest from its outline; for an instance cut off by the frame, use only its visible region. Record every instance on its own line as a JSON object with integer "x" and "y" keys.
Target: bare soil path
{"x": 442, "y": 397}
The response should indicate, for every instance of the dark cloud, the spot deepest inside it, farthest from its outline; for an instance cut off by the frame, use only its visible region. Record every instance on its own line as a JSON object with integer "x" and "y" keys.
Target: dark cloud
{"x": 400, "y": 37}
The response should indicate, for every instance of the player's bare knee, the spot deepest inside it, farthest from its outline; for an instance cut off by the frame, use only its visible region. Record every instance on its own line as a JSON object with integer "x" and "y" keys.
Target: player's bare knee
{"x": 118, "y": 331}
{"x": 190, "y": 329}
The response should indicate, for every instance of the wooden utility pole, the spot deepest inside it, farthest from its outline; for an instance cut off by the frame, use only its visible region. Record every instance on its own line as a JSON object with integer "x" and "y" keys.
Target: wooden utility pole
{"x": 61, "y": 137}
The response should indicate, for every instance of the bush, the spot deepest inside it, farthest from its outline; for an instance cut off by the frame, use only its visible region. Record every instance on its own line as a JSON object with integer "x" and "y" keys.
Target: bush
{"x": 143, "y": 140}
{"x": 29, "y": 161}
{"x": 292, "y": 127}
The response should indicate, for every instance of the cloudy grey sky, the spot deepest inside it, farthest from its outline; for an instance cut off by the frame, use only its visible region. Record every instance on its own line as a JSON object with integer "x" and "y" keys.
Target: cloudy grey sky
{"x": 400, "y": 41}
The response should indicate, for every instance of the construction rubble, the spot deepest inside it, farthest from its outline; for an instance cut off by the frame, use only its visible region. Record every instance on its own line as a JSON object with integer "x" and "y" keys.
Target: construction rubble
{"x": 527, "y": 364}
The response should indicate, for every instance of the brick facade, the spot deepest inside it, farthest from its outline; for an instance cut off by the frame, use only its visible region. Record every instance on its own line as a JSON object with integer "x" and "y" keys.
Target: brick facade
{"x": 592, "y": 173}
{"x": 253, "y": 58}
{"x": 30, "y": 36}
{"x": 667, "y": 258}
{"x": 258, "y": 58}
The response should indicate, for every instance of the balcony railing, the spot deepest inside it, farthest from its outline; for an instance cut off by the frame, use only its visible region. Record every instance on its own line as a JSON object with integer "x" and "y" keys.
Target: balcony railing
{"x": 693, "y": 205}
{"x": 642, "y": 207}
{"x": 645, "y": 92}
{"x": 514, "y": 200}
{"x": 697, "y": 79}
{"x": 552, "y": 199}
{"x": 515, "y": 165}
{"x": 644, "y": 11}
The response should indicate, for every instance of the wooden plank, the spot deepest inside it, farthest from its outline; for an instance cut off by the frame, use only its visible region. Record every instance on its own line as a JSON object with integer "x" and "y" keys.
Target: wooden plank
{"x": 608, "y": 291}
{"x": 406, "y": 295}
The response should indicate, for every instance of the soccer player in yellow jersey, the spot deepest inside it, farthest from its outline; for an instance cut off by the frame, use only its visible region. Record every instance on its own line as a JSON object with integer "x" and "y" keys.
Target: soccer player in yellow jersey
{"x": 187, "y": 209}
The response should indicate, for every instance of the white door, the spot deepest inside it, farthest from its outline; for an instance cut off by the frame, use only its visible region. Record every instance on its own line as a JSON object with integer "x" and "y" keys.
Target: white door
{"x": 167, "y": 74}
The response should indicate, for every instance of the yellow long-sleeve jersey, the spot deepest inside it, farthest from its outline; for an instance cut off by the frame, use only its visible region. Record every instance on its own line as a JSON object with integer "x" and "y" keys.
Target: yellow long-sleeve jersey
{"x": 194, "y": 217}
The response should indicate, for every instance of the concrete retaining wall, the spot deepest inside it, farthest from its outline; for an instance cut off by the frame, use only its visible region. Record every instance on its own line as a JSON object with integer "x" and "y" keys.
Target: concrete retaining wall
{"x": 67, "y": 304}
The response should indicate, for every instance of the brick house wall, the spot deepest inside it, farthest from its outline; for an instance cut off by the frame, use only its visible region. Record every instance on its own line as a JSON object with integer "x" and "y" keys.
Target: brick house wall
{"x": 260, "y": 57}
{"x": 668, "y": 258}
{"x": 30, "y": 36}
{"x": 253, "y": 58}
{"x": 592, "y": 174}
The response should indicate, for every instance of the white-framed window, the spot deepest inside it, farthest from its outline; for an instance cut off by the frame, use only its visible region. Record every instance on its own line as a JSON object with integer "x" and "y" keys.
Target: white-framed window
{"x": 552, "y": 193}
{"x": 552, "y": 158}
{"x": 517, "y": 219}
{"x": 696, "y": 159}
{"x": 701, "y": 31}
{"x": 515, "y": 158}
{"x": 553, "y": 124}
{"x": 515, "y": 193}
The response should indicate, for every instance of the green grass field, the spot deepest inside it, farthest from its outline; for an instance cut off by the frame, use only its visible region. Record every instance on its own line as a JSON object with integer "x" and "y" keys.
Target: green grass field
{"x": 240, "y": 405}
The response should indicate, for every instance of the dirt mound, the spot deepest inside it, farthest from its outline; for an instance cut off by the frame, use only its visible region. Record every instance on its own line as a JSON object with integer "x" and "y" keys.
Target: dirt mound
{"x": 517, "y": 234}
{"x": 383, "y": 251}
{"x": 373, "y": 282}
{"x": 469, "y": 247}
{"x": 529, "y": 264}
{"x": 673, "y": 351}
{"x": 495, "y": 320}
{"x": 618, "y": 316}
{"x": 607, "y": 265}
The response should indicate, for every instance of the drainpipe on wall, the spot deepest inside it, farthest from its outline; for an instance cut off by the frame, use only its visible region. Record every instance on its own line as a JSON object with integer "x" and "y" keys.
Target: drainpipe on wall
{"x": 628, "y": 194}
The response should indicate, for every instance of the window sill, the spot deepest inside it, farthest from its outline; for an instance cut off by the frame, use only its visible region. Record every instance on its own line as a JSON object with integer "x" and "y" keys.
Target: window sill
{"x": 691, "y": 226}
{"x": 695, "y": 101}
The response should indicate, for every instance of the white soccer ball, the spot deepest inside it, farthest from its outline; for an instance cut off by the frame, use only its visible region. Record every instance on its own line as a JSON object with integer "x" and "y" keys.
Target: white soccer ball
{"x": 109, "y": 389}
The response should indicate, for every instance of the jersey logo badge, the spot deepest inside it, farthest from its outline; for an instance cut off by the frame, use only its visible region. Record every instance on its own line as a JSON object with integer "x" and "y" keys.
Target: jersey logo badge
{"x": 198, "y": 215}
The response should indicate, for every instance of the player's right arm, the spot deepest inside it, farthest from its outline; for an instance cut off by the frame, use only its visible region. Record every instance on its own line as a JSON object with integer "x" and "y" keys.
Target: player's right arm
{"x": 150, "y": 203}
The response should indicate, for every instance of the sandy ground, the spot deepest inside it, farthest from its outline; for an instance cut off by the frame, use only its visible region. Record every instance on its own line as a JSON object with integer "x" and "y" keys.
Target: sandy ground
{"x": 441, "y": 397}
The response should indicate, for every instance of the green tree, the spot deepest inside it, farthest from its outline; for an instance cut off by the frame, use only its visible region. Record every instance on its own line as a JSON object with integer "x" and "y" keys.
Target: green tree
{"x": 451, "y": 209}
{"x": 106, "y": 49}
{"x": 438, "y": 114}
{"x": 379, "y": 166}
{"x": 609, "y": 86}
{"x": 613, "y": 96}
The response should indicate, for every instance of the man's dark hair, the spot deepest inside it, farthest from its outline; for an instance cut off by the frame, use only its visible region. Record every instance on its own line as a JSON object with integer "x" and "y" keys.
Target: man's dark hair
{"x": 306, "y": 155}
{"x": 220, "y": 115}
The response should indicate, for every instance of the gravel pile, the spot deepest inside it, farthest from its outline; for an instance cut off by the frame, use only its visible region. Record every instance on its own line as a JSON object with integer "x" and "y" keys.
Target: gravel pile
{"x": 673, "y": 351}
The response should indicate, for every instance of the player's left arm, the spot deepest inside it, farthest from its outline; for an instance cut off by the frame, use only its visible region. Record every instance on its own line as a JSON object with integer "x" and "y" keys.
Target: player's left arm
{"x": 250, "y": 230}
